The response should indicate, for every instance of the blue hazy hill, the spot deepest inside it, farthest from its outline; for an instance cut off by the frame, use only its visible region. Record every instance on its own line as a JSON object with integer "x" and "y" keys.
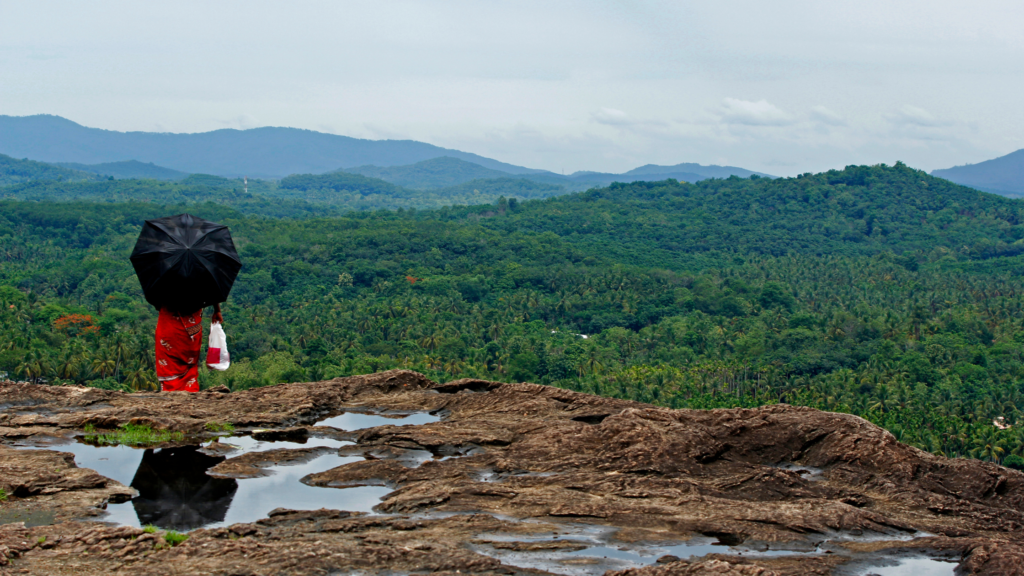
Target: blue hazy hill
{"x": 1003, "y": 175}
{"x": 259, "y": 152}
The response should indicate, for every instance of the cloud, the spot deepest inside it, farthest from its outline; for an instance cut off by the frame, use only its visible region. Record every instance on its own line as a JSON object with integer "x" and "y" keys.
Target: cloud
{"x": 825, "y": 116}
{"x": 611, "y": 117}
{"x": 240, "y": 122}
{"x": 760, "y": 113}
{"x": 913, "y": 116}
{"x": 246, "y": 121}
{"x": 628, "y": 124}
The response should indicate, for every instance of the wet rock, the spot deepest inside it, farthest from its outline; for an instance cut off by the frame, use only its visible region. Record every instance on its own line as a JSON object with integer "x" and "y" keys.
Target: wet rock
{"x": 253, "y": 464}
{"x": 774, "y": 475}
{"x": 364, "y": 473}
{"x": 560, "y": 545}
{"x": 995, "y": 558}
{"x": 218, "y": 448}
{"x": 466, "y": 385}
{"x": 39, "y": 472}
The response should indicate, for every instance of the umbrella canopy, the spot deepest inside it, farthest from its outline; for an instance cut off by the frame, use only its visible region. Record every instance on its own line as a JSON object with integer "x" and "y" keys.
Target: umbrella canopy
{"x": 185, "y": 263}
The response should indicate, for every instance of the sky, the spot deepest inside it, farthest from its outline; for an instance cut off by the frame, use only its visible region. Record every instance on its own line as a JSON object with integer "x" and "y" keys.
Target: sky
{"x": 780, "y": 87}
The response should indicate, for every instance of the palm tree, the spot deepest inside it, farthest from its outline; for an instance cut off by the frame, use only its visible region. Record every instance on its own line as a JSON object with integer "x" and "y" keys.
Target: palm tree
{"x": 593, "y": 361}
{"x": 34, "y": 366}
{"x": 139, "y": 378}
{"x": 121, "y": 347}
{"x": 69, "y": 368}
{"x": 986, "y": 447}
{"x": 431, "y": 341}
{"x": 104, "y": 363}
{"x": 454, "y": 366}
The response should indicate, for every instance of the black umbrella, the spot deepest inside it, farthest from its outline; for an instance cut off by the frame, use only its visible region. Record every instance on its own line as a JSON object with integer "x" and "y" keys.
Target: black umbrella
{"x": 185, "y": 263}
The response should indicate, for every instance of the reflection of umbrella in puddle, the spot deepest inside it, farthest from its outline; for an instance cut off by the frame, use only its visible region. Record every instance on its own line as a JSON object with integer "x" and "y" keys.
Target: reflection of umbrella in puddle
{"x": 175, "y": 491}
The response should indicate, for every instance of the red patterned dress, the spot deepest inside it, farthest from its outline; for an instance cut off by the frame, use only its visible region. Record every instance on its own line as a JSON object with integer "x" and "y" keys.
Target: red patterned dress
{"x": 178, "y": 339}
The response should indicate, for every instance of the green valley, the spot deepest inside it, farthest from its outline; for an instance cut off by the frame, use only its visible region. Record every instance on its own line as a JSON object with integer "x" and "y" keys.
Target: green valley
{"x": 878, "y": 291}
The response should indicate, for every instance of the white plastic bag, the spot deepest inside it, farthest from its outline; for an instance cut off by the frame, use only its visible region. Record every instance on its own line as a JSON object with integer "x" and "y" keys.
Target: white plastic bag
{"x": 217, "y": 352}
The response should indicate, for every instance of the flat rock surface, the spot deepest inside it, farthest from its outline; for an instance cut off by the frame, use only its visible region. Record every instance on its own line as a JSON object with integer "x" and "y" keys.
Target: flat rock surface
{"x": 516, "y": 478}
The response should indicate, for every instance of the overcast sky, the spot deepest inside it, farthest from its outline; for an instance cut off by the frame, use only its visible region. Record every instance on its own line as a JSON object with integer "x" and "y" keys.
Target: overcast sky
{"x": 782, "y": 87}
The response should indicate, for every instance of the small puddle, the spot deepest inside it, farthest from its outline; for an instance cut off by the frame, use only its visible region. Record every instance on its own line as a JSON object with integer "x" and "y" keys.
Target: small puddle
{"x": 491, "y": 476}
{"x": 31, "y": 518}
{"x": 116, "y": 462}
{"x": 175, "y": 492}
{"x": 247, "y": 444}
{"x": 919, "y": 566}
{"x": 807, "y": 472}
{"x": 600, "y": 554}
{"x": 357, "y": 421}
{"x": 695, "y": 548}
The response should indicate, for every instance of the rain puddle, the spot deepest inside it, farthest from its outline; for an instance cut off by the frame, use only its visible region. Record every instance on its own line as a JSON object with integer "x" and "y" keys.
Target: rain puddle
{"x": 117, "y": 462}
{"x": 491, "y": 476}
{"x": 581, "y": 549}
{"x": 175, "y": 492}
{"x": 696, "y": 548}
{"x": 918, "y": 566}
{"x": 357, "y": 420}
{"x": 699, "y": 547}
{"x": 239, "y": 445}
{"x": 807, "y": 472}
{"x": 31, "y": 518}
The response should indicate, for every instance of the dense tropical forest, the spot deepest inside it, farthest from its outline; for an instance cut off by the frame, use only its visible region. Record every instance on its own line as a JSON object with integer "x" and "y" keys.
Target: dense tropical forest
{"x": 300, "y": 195}
{"x": 878, "y": 291}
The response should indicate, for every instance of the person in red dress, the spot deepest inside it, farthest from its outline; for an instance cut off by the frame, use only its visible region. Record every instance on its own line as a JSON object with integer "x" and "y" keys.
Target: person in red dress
{"x": 178, "y": 340}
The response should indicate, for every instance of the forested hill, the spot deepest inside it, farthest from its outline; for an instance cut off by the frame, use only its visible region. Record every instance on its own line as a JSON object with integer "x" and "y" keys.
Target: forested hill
{"x": 448, "y": 172}
{"x": 857, "y": 211}
{"x": 301, "y": 195}
{"x": 128, "y": 169}
{"x": 14, "y": 171}
{"x": 435, "y": 173}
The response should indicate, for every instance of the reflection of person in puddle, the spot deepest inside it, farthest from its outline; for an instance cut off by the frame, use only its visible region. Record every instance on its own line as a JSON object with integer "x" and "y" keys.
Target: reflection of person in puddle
{"x": 175, "y": 493}
{"x": 178, "y": 340}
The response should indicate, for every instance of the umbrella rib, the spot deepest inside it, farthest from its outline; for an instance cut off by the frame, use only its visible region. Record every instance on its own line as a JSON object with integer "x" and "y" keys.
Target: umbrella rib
{"x": 204, "y": 234}
{"x": 165, "y": 230}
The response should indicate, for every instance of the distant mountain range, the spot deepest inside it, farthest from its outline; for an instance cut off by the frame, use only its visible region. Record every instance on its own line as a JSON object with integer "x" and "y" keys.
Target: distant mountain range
{"x": 278, "y": 152}
{"x": 259, "y": 152}
{"x": 1003, "y": 175}
{"x": 703, "y": 172}
{"x": 57, "y": 149}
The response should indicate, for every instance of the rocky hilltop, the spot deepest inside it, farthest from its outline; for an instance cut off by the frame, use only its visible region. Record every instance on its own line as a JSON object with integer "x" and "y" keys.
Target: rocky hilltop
{"x": 509, "y": 479}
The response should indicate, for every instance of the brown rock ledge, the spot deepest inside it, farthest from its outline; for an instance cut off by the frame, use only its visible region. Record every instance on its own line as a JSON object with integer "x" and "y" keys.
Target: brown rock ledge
{"x": 777, "y": 475}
